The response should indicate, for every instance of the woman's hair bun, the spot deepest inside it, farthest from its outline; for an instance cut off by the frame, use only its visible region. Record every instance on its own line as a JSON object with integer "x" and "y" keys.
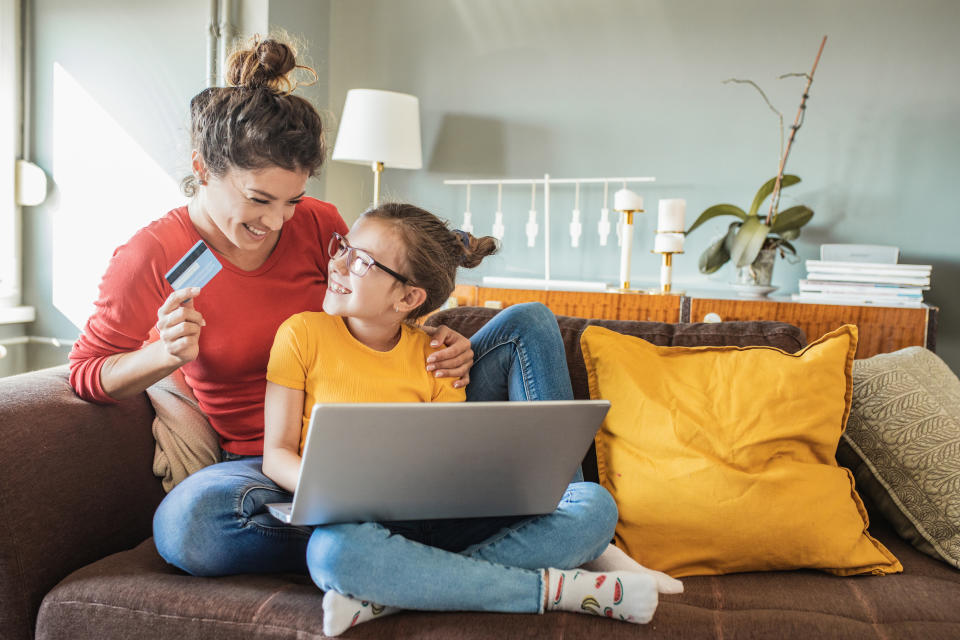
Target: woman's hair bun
{"x": 263, "y": 63}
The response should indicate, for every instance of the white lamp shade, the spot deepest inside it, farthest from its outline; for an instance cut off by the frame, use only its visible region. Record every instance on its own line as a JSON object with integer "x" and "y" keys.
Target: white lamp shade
{"x": 380, "y": 126}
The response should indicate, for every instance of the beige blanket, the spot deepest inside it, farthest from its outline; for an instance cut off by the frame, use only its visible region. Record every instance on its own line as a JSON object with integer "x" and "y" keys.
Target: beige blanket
{"x": 186, "y": 442}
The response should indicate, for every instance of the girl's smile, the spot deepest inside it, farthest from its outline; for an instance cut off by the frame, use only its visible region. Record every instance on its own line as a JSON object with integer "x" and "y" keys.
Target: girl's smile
{"x": 373, "y": 304}
{"x": 336, "y": 287}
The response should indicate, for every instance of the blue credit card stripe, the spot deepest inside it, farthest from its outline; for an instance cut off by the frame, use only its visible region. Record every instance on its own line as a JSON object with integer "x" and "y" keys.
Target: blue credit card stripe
{"x": 186, "y": 261}
{"x": 206, "y": 268}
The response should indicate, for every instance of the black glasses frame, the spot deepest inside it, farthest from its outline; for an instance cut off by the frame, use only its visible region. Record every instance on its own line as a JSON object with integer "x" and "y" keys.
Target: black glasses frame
{"x": 338, "y": 247}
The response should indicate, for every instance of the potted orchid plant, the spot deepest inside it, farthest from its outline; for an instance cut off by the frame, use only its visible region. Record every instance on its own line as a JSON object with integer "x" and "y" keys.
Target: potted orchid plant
{"x": 753, "y": 241}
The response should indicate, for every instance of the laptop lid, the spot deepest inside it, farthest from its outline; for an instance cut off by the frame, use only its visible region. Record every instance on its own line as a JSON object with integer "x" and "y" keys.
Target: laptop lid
{"x": 418, "y": 461}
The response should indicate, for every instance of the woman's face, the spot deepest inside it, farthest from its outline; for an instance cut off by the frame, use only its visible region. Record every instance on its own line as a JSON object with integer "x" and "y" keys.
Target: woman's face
{"x": 373, "y": 295}
{"x": 247, "y": 207}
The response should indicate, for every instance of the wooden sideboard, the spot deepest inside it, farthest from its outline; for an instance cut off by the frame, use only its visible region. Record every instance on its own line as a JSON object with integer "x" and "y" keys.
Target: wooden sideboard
{"x": 881, "y": 329}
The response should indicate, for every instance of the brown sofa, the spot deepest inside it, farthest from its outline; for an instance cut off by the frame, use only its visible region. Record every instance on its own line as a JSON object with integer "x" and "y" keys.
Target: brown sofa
{"x": 77, "y": 560}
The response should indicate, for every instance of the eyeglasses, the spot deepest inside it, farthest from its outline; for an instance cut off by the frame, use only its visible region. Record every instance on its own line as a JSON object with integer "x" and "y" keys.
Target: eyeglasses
{"x": 358, "y": 260}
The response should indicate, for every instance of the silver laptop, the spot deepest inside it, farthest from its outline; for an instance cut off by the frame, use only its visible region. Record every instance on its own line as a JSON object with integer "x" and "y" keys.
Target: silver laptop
{"x": 418, "y": 461}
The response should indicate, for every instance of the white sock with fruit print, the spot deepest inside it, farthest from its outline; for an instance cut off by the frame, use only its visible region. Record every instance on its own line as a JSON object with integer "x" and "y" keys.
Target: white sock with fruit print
{"x": 619, "y": 595}
{"x": 341, "y": 612}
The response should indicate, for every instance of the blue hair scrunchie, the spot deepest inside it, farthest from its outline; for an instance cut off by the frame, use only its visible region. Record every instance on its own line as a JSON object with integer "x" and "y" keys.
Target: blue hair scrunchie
{"x": 464, "y": 238}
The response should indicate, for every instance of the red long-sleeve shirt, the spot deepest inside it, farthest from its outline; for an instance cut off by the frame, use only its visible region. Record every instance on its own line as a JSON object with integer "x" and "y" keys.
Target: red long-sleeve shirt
{"x": 242, "y": 310}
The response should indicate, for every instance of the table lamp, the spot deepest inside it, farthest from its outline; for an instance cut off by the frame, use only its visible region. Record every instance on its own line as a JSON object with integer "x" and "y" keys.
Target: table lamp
{"x": 379, "y": 128}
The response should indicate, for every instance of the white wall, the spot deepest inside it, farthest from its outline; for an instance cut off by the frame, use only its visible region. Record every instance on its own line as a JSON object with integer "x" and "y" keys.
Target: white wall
{"x": 522, "y": 87}
{"x": 518, "y": 88}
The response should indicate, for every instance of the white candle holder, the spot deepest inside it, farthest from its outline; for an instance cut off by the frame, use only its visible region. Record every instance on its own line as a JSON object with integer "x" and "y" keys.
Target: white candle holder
{"x": 666, "y": 272}
{"x": 626, "y": 246}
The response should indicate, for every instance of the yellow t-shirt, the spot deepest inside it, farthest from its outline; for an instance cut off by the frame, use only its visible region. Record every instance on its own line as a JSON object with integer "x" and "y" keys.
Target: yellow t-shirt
{"x": 316, "y": 353}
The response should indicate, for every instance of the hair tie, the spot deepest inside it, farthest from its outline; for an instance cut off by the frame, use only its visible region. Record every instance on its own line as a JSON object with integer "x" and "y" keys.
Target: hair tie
{"x": 464, "y": 238}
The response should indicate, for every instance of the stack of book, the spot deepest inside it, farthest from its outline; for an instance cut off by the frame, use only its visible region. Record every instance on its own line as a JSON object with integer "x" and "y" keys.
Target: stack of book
{"x": 884, "y": 284}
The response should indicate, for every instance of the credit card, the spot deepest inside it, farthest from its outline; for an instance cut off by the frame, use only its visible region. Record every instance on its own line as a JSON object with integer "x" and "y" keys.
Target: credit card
{"x": 195, "y": 268}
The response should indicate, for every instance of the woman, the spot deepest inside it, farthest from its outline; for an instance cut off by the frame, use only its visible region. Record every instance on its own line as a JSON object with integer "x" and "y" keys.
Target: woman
{"x": 255, "y": 146}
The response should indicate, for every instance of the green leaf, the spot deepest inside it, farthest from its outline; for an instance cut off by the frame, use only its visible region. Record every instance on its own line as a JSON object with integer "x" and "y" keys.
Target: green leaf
{"x": 731, "y": 234}
{"x": 749, "y": 240}
{"x": 790, "y": 234}
{"x": 791, "y": 219}
{"x": 714, "y": 257}
{"x": 718, "y": 210}
{"x": 767, "y": 188}
{"x": 787, "y": 245}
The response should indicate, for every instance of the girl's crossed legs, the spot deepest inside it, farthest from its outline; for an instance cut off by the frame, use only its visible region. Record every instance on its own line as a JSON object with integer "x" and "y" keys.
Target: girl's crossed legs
{"x": 215, "y": 521}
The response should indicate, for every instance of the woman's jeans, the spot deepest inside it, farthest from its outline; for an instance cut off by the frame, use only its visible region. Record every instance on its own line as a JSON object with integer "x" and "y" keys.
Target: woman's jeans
{"x": 215, "y": 521}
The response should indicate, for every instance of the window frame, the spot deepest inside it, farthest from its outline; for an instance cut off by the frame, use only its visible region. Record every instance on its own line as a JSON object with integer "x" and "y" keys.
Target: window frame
{"x": 11, "y": 129}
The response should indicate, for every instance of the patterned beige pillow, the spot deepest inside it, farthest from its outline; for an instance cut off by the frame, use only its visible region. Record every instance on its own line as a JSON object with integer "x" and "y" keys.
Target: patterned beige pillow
{"x": 904, "y": 427}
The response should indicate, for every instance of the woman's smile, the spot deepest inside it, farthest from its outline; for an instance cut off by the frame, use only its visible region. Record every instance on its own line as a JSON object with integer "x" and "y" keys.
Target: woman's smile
{"x": 258, "y": 234}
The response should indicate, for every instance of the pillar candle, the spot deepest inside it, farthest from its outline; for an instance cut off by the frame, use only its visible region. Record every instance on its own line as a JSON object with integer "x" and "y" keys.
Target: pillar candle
{"x": 668, "y": 243}
{"x": 626, "y": 200}
{"x": 670, "y": 215}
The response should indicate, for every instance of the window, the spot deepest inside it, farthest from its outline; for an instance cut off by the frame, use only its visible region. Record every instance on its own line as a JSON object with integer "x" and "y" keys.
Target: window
{"x": 10, "y": 119}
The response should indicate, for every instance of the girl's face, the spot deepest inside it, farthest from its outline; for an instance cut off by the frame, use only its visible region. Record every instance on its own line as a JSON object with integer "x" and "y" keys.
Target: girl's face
{"x": 243, "y": 210}
{"x": 374, "y": 295}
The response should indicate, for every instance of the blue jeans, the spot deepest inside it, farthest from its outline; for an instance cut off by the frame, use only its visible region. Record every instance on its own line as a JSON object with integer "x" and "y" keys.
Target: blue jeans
{"x": 215, "y": 522}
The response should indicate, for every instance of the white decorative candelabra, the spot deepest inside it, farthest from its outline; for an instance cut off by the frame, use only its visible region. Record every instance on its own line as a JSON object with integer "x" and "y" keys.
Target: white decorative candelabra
{"x": 532, "y": 228}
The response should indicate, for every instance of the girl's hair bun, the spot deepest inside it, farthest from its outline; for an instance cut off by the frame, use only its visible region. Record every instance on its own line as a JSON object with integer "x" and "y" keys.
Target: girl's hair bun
{"x": 476, "y": 249}
{"x": 264, "y": 63}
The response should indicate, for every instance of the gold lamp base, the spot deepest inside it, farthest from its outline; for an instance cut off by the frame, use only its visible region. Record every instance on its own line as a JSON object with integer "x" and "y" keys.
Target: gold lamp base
{"x": 377, "y": 168}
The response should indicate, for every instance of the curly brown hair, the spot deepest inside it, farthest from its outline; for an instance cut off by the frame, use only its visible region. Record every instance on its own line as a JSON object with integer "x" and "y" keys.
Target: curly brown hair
{"x": 256, "y": 122}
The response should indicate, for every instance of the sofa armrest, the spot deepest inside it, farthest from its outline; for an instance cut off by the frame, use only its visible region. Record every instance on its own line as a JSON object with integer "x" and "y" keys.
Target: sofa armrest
{"x": 76, "y": 484}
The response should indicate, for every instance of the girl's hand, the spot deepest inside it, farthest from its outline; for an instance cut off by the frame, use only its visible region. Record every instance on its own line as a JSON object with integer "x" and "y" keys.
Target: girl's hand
{"x": 453, "y": 361}
{"x": 178, "y": 324}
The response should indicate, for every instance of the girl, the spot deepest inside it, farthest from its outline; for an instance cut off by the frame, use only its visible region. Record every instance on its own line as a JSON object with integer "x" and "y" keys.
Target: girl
{"x": 398, "y": 263}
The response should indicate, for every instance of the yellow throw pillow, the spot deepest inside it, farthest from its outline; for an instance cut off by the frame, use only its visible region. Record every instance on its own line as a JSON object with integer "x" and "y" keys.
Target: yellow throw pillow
{"x": 721, "y": 459}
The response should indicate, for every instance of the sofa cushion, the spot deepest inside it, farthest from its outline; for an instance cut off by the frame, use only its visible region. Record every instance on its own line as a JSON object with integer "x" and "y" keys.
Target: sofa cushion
{"x": 135, "y": 594}
{"x": 721, "y": 459}
{"x": 904, "y": 430}
{"x": 469, "y": 320}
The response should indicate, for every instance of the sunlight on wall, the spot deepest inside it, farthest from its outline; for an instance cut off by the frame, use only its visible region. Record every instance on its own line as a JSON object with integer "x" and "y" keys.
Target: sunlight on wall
{"x": 108, "y": 187}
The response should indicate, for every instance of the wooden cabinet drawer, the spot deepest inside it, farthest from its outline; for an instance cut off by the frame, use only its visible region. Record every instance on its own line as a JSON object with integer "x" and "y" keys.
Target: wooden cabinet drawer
{"x": 582, "y": 305}
{"x": 606, "y": 306}
{"x": 507, "y": 297}
{"x": 651, "y": 308}
{"x": 881, "y": 329}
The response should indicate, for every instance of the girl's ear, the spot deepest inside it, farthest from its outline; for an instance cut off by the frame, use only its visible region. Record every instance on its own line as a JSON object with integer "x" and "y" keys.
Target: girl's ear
{"x": 413, "y": 298}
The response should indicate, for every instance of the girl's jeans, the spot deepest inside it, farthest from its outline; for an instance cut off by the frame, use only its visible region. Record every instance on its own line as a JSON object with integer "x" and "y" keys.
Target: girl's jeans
{"x": 215, "y": 521}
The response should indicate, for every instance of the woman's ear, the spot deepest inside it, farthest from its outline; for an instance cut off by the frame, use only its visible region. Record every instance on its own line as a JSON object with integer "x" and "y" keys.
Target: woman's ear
{"x": 198, "y": 166}
{"x": 413, "y": 298}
